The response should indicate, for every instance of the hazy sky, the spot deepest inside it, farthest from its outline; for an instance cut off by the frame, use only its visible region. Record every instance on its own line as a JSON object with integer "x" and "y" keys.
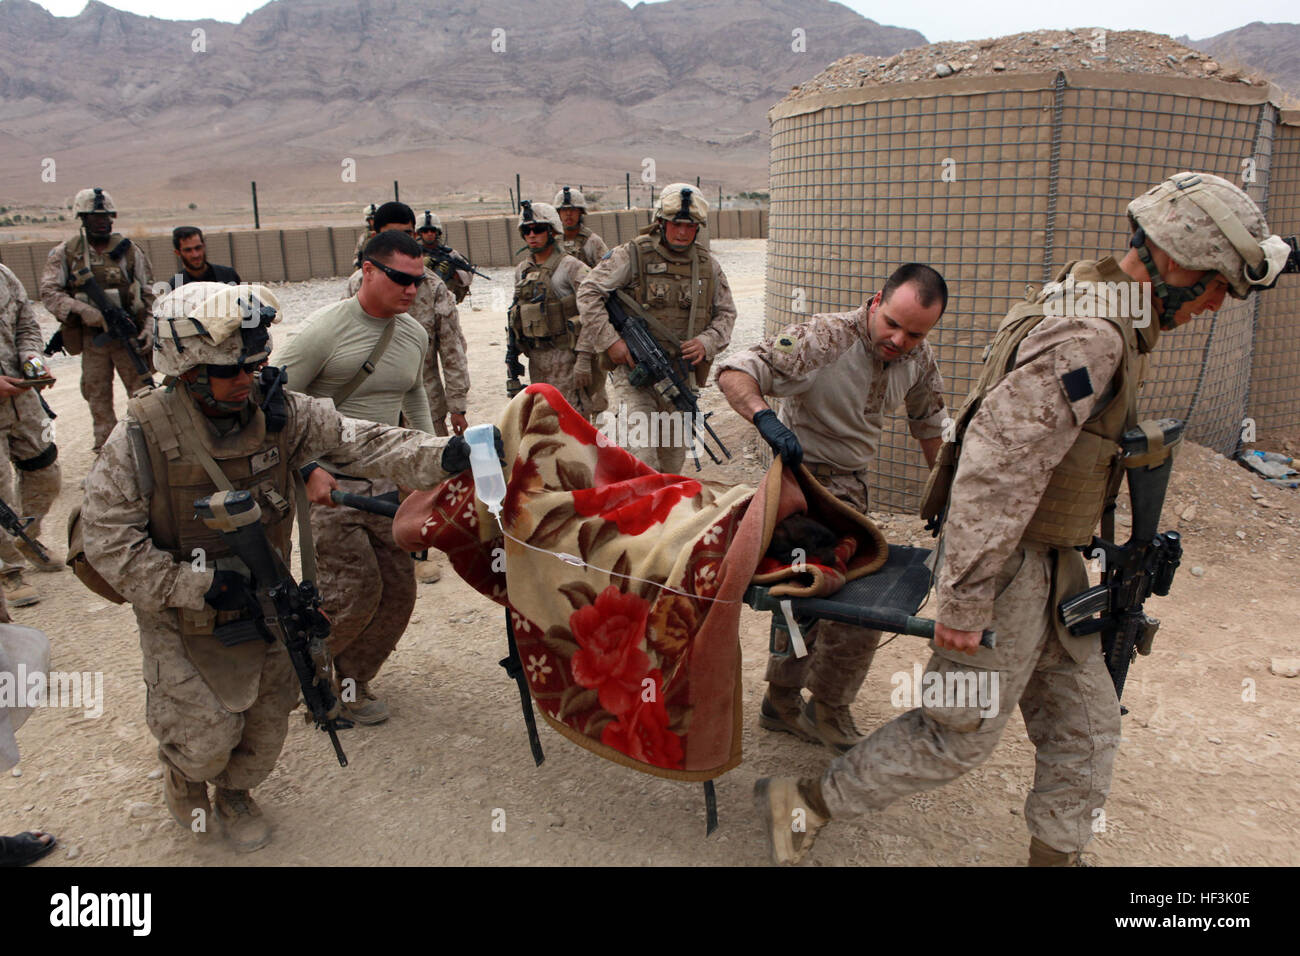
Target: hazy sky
{"x": 937, "y": 19}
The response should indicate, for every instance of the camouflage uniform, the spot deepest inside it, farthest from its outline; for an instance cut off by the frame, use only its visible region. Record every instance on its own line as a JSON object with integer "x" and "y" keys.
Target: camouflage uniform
{"x": 836, "y": 393}
{"x": 362, "y": 239}
{"x": 203, "y": 732}
{"x": 26, "y": 435}
{"x": 586, "y": 246}
{"x": 992, "y": 575}
{"x": 617, "y": 271}
{"x": 550, "y": 360}
{"x": 132, "y": 277}
{"x": 435, "y": 309}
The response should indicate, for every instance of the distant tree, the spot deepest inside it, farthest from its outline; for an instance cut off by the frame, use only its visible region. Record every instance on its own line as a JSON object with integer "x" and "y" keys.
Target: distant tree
{"x": 194, "y": 205}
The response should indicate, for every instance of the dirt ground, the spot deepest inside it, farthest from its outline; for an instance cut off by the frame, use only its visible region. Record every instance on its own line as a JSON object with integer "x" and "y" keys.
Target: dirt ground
{"x": 1206, "y": 774}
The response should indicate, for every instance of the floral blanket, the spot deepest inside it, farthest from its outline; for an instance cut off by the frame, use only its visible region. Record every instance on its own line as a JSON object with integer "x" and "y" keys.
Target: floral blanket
{"x": 625, "y": 585}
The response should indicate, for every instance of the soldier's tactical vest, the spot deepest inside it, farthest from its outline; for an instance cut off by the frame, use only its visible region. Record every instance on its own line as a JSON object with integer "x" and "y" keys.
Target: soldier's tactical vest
{"x": 251, "y": 458}
{"x": 677, "y": 289}
{"x": 540, "y": 319}
{"x": 576, "y": 247}
{"x": 1090, "y": 473}
{"x": 115, "y": 276}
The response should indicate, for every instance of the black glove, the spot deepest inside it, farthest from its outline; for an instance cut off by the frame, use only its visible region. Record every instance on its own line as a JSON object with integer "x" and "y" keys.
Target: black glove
{"x": 455, "y": 455}
{"x": 782, "y": 440}
{"x": 230, "y": 591}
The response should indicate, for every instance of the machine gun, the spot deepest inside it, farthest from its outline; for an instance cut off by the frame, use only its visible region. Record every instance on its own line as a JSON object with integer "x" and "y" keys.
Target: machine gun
{"x": 1145, "y": 565}
{"x": 17, "y": 527}
{"x": 654, "y": 369}
{"x": 118, "y": 324}
{"x": 285, "y": 611}
{"x": 514, "y": 368}
{"x": 445, "y": 254}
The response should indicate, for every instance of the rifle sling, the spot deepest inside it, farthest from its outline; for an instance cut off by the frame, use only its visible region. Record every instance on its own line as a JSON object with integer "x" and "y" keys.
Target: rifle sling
{"x": 367, "y": 367}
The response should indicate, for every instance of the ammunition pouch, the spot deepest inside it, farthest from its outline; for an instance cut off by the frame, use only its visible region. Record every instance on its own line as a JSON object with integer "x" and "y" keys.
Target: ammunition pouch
{"x": 82, "y": 568}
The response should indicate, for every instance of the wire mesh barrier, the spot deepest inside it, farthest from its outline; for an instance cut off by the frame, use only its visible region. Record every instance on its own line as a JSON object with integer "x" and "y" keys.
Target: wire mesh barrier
{"x": 999, "y": 181}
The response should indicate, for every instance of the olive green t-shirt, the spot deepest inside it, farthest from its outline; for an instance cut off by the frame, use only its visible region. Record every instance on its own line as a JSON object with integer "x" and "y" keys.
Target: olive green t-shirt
{"x": 331, "y": 346}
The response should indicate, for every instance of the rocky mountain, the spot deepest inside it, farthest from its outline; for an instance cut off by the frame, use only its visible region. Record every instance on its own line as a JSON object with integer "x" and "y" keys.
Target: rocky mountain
{"x": 1271, "y": 49}
{"x": 457, "y": 94}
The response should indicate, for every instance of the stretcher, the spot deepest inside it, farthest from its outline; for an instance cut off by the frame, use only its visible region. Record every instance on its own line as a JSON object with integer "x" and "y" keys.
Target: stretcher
{"x": 884, "y": 601}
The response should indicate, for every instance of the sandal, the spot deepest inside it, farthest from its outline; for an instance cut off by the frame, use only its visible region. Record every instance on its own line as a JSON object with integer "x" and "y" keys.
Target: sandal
{"x": 25, "y": 848}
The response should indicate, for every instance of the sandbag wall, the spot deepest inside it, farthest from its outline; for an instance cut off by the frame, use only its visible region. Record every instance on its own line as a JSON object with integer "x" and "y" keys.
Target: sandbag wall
{"x": 999, "y": 181}
{"x": 280, "y": 255}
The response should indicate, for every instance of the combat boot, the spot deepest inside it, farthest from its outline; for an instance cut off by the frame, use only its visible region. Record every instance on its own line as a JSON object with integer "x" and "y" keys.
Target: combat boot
{"x": 367, "y": 708}
{"x": 241, "y": 820}
{"x": 34, "y": 559}
{"x": 1040, "y": 854}
{"x": 184, "y": 797}
{"x": 830, "y": 724}
{"x": 780, "y": 711}
{"x": 789, "y": 819}
{"x": 17, "y": 591}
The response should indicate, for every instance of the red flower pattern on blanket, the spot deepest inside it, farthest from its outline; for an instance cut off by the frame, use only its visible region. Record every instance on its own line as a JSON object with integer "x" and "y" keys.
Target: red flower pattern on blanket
{"x": 643, "y": 733}
{"x": 610, "y": 657}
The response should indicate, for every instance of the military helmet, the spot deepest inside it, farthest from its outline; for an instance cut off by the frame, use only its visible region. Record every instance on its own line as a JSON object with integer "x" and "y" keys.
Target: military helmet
{"x": 682, "y": 202}
{"x": 93, "y": 200}
{"x": 428, "y": 221}
{"x": 369, "y": 211}
{"x": 570, "y": 198}
{"x": 1206, "y": 223}
{"x": 212, "y": 323}
{"x": 542, "y": 212}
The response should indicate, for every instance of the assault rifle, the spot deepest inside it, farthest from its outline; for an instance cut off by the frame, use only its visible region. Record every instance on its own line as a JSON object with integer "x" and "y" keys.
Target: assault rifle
{"x": 654, "y": 369}
{"x": 446, "y": 254}
{"x": 385, "y": 505}
{"x": 1145, "y": 565}
{"x": 118, "y": 324}
{"x": 17, "y": 527}
{"x": 285, "y": 611}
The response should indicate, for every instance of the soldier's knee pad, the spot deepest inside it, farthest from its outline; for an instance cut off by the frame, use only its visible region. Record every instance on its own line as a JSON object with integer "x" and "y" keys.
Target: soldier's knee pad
{"x": 46, "y": 458}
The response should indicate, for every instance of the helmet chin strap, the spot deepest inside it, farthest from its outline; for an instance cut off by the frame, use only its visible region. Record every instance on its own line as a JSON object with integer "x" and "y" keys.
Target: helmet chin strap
{"x": 201, "y": 389}
{"x": 1171, "y": 297}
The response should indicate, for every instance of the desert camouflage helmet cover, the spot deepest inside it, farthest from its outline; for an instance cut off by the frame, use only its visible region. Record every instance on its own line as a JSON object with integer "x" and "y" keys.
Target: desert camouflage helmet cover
{"x": 93, "y": 199}
{"x": 1206, "y": 223}
{"x": 530, "y": 211}
{"x": 428, "y": 221}
{"x": 682, "y": 202}
{"x": 570, "y": 198}
{"x": 211, "y": 323}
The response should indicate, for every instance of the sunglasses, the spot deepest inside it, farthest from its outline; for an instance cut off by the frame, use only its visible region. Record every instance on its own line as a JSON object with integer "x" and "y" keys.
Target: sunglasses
{"x": 234, "y": 371}
{"x": 401, "y": 278}
{"x": 533, "y": 230}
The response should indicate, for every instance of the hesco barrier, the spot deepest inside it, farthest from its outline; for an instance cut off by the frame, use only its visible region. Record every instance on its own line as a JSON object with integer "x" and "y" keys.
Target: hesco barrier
{"x": 999, "y": 181}
{"x": 278, "y": 255}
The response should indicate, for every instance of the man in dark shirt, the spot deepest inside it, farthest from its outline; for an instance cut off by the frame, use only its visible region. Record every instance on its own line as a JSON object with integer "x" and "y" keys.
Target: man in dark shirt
{"x": 193, "y": 254}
